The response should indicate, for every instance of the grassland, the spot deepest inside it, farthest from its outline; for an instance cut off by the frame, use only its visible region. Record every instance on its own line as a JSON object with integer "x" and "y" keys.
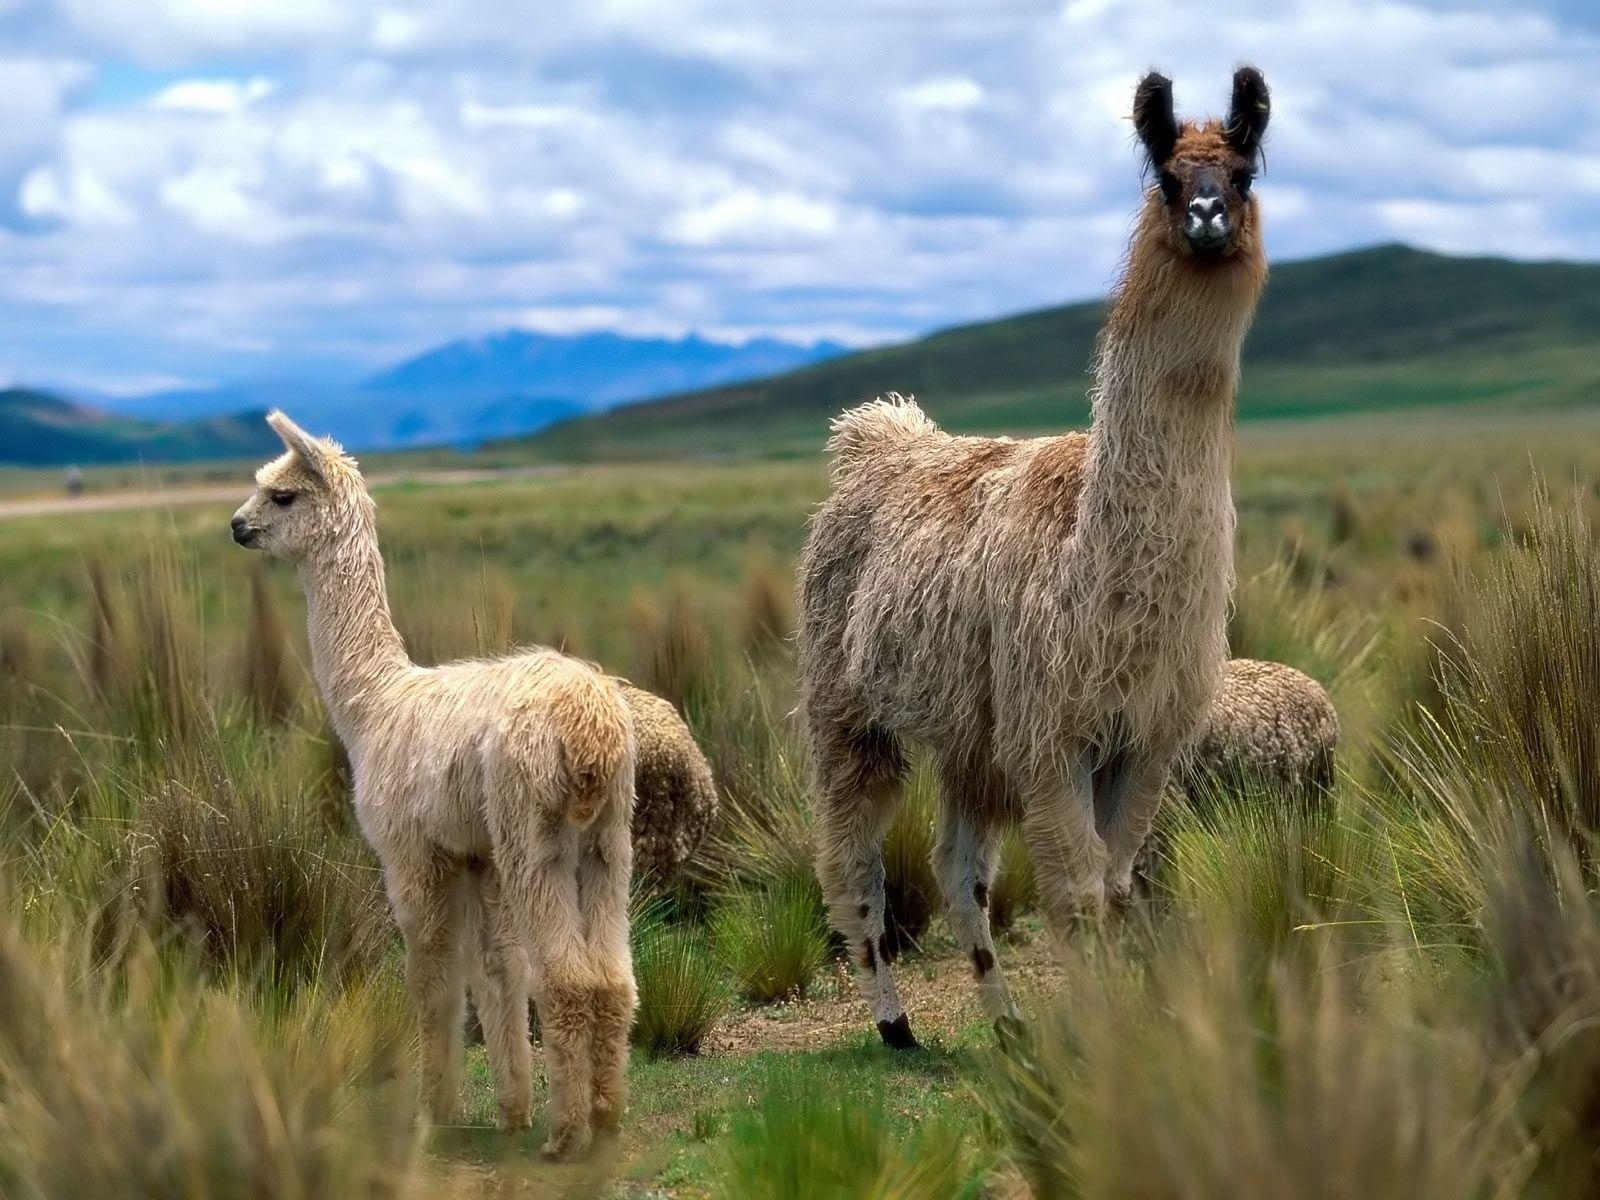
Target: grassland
{"x": 1392, "y": 995}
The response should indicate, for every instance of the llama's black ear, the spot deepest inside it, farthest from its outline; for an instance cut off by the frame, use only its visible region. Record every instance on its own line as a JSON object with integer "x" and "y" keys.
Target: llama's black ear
{"x": 1247, "y": 115}
{"x": 1153, "y": 117}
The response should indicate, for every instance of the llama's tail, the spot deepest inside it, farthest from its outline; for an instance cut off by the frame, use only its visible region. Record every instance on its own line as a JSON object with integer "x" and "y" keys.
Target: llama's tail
{"x": 597, "y": 746}
{"x": 875, "y": 426}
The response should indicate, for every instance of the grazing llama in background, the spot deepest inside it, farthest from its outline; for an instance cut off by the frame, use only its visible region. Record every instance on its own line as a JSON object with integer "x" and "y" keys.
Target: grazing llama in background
{"x": 1046, "y": 616}
{"x": 497, "y": 795}
{"x": 675, "y": 797}
{"x": 1269, "y": 726}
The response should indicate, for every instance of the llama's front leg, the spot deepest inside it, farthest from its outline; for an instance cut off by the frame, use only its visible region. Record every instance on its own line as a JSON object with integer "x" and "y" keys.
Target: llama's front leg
{"x": 1128, "y": 796}
{"x": 427, "y": 895}
{"x": 965, "y": 862}
{"x": 1069, "y": 856}
{"x": 499, "y": 974}
{"x": 859, "y": 781}
{"x": 603, "y": 875}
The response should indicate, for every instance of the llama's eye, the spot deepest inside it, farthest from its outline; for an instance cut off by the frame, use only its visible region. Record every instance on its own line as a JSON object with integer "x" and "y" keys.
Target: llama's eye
{"x": 282, "y": 499}
{"x": 1171, "y": 186}
{"x": 1242, "y": 181}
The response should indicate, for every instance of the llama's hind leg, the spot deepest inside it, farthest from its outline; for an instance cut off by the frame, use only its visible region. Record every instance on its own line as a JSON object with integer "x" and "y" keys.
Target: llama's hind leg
{"x": 859, "y": 783}
{"x": 498, "y": 970}
{"x": 1127, "y": 796}
{"x": 1069, "y": 856}
{"x": 427, "y": 893}
{"x": 547, "y": 891}
{"x": 603, "y": 874}
{"x": 964, "y": 860}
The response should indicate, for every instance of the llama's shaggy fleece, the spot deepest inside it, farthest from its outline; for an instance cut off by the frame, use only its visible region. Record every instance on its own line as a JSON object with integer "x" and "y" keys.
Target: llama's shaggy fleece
{"x": 675, "y": 797}
{"x": 497, "y": 795}
{"x": 1047, "y": 615}
{"x": 1271, "y": 726}
{"x": 1269, "y": 723}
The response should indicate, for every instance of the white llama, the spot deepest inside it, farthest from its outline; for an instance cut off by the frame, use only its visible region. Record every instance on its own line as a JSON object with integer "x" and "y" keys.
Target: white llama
{"x": 497, "y": 795}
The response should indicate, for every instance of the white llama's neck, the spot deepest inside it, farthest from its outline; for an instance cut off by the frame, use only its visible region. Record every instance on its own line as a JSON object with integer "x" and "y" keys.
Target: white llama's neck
{"x": 355, "y": 648}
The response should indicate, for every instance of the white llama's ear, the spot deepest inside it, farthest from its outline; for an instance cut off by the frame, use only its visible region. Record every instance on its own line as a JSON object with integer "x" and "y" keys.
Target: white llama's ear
{"x": 311, "y": 451}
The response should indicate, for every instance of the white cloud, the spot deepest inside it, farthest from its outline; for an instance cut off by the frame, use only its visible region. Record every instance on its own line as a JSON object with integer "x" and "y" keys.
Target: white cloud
{"x": 749, "y": 216}
{"x": 166, "y": 32}
{"x": 211, "y": 97}
{"x": 352, "y": 179}
{"x": 946, "y": 94}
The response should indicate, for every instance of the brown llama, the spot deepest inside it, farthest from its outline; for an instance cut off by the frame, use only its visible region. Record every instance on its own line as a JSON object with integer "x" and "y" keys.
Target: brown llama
{"x": 1046, "y": 616}
{"x": 497, "y": 794}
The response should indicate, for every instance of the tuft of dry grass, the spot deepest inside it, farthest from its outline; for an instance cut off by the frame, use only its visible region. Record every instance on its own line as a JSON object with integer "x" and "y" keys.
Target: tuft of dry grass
{"x": 152, "y": 1085}
{"x": 672, "y": 649}
{"x": 766, "y": 611}
{"x": 106, "y": 657}
{"x": 1232, "y": 1092}
{"x": 1523, "y": 696}
{"x": 219, "y": 853}
{"x": 267, "y": 668}
{"x": 910, "y": 886}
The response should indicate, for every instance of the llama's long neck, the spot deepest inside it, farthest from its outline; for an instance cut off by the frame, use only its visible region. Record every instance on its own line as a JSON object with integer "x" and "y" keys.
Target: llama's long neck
{"x": 1155, "y": 517}
{"x": 355, "y": 648}
{"x": 1165, "y": 378}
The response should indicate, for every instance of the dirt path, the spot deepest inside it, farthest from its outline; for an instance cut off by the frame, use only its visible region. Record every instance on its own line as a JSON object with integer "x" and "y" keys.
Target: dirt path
{"x": 218, "y": 493}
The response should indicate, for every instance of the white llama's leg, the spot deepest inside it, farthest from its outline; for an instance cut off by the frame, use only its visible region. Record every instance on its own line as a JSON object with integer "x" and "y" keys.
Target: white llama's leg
{"x": 603, "y": 875}
{"x": 426, "y": 892}
{"x": 498, "y": 967}
{"x": 1128, "y": 796}
{"x": 1069, "y": 856}
{"x": 859, "y": 783}
{"x": 539, "y": 872}
{"x": 964, "y": 860}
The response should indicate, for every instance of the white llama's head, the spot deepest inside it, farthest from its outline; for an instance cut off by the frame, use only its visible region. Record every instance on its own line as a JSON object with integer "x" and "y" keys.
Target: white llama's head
{"x": 308, "y": 503}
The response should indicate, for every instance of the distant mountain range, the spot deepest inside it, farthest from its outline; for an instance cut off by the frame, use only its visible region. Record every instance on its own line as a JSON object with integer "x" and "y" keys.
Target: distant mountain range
{"x": 1383, "y": 328}
{"x": 1388, "y": 327}
{"x": 37, "y": 429}
{"x": 499, "y": 386}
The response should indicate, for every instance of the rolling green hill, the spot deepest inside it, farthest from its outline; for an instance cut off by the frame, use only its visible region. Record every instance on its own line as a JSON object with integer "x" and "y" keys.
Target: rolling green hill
{"x": 1389, "y": 327}
{"x": 40, "y": 430}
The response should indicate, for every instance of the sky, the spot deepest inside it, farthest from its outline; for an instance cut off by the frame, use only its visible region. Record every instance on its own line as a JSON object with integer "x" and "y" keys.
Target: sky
{"x": 195, "y": 191}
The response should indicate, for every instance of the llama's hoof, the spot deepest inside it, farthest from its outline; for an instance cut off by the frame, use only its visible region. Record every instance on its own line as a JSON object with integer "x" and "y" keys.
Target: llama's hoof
{"x": 1009, "y": 1030}
{"x": 562, "y": 1146}
{"x": 1119, "y": 898}
{"x": 897, "y": 1035}
{"x": 513, "y": 1119}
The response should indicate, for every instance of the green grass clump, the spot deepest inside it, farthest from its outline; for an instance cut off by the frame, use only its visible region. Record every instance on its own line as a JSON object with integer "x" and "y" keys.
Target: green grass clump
{"x": 1015, "y": 884}
{"x": 910, "y": 887}
{"x": 805, "y": 1140}
{"x": 683, "y": 992}
{"x": 774, "y": 939}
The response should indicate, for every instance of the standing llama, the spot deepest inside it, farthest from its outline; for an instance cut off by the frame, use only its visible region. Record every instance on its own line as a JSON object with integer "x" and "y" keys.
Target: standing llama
{"x": 497, "y": 795}
{"x": 1046, "y": 616}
